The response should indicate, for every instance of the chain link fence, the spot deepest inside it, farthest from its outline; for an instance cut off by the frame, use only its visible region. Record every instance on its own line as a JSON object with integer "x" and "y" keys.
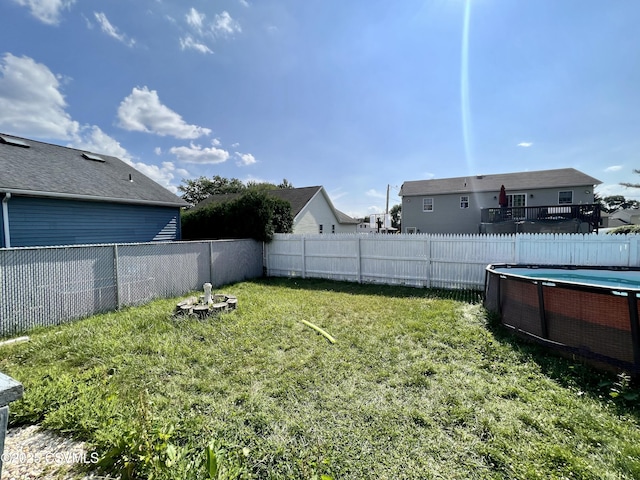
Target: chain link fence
{"x": 52, "y": 285}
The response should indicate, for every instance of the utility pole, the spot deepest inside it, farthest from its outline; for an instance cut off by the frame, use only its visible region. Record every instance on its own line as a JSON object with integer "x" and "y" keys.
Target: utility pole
{"x": 387, "y": 210}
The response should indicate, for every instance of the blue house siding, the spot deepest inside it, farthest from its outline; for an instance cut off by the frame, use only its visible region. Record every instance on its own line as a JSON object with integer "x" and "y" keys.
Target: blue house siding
{"x": 46, "y": 221}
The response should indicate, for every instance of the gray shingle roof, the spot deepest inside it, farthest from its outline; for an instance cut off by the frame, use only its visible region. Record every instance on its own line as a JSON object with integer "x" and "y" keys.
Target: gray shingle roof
{"x": 44, "y": 168}
{"x": 344, "y": 218}
{"x": 297, "y": 197}
{"x": 562, "y": 177}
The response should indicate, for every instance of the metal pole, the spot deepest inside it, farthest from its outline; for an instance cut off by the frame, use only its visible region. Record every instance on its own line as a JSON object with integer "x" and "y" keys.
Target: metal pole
{"x": 5, "y": 220}
{"x": 387, "y": 210}
{"x": 116, "y": 274}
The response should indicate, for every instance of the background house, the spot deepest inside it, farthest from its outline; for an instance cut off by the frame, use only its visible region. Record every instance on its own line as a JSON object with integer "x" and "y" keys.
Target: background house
{"x": 377, "y": 223}
{"x": 455, "y": 205}
{"x": 53, "y": 195}
{"x": 312, "y": 210}
{"x": 620, "y": 218}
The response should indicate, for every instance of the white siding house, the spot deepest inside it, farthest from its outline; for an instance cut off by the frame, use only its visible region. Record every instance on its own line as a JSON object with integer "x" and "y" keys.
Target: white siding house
{"x": 312, "y": 210}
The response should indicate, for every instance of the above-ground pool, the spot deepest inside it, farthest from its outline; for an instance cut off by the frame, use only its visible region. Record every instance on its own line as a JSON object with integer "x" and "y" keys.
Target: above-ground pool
{"x": 586, "y": 311}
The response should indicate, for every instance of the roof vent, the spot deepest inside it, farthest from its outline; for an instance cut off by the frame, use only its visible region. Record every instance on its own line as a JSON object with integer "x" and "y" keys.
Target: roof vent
{"x": 91, "y": 156}
{"x": 13, "y": 141}
{"x": 479, "y": 177}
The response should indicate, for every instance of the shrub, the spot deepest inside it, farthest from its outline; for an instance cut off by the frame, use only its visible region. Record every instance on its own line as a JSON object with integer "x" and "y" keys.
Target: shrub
{"x": 624, "y": 230}
{"x": 253, "y": 215}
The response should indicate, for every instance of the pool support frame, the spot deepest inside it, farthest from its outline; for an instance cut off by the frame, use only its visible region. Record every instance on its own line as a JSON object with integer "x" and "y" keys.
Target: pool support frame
{"x": 602, "y": 337}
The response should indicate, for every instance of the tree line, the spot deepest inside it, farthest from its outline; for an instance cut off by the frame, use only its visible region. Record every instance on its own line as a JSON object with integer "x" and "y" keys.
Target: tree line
{"x": 195, "y": 191}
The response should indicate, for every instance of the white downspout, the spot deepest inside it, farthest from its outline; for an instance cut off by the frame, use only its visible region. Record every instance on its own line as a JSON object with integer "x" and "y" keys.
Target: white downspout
{"x": 5, "y": 219}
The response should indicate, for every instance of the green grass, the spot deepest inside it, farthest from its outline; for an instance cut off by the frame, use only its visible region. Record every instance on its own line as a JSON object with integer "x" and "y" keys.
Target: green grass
{"x": 419, "y": 384}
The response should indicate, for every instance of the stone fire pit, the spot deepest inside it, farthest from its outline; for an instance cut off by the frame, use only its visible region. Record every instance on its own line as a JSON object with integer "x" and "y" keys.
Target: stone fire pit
{"x": 207, "y": 304}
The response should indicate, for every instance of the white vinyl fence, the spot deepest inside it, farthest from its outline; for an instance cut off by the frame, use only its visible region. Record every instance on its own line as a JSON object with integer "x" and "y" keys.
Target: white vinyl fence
{"x": 51, "y": 285}
{"x": 437, "y": 261}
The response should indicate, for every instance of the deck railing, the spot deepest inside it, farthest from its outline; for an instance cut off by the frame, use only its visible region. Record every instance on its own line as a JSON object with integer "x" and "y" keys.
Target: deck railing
{"x": 589, "y": 213}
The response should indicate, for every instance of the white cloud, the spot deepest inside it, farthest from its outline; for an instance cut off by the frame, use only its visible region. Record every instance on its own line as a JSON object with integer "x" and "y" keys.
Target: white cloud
{"x": 245, "y": 159}
{"x": 142, "y": 112}
{"x": 197, "y": 154}
{"x": 200, "y": 30}
{"x": 375, "y": 194}
{"x": 337, "y": 194}
{"x": 525, "y": 144}
{"x": 611, "y": 189}
{"x": 157, "y": 151}
{"x": 184, "y": 173}
{"x": 112, "y": 31}
{"x": 31, "y": 101}
{"x": 195, "y": 19}
{"x": 32, "y": 105}
{"x": 225, "y": 25}
{"x": 235, "y": 145}
{"x": 93, "y": 139}
{"x": 244, "y": 3}
{"x": 162, "y": 175}
{"x": 188, "y": 43}
{"x": 47, "y": 11}
{"x": 613, "y": 168}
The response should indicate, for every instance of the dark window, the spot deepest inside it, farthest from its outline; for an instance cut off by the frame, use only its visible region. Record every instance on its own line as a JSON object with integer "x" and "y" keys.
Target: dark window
{"x": 565, "y": 197}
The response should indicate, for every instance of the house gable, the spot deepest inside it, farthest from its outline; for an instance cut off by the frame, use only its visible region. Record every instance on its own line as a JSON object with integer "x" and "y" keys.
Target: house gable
{"x": 53, "y": 195}
{"x": 310, "y": 206}
{"x": 454, "y": 205}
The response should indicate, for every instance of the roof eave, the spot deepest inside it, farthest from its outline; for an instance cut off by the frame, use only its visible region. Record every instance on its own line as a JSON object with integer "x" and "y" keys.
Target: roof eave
{"x": 91, "y": 198}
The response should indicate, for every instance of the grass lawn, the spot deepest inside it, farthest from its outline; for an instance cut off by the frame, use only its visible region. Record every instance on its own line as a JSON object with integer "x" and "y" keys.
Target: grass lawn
{"x": 419, "y": 385}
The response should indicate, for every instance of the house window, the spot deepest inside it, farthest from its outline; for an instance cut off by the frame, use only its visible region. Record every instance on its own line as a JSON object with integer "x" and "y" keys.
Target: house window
{"x": 464, "y": 201}
{"x": 333, "y": 229}
{"x": 427, "y": 204}
{"x": 565, "y": 197}
{"x": 320, "y": 228}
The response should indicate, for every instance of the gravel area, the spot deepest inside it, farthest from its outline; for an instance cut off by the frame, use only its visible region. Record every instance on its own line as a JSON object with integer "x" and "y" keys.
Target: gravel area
{"x": 33, "y": 453}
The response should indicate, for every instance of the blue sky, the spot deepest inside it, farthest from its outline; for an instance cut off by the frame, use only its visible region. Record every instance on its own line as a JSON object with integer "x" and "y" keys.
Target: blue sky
{"x": 355, "y": 96}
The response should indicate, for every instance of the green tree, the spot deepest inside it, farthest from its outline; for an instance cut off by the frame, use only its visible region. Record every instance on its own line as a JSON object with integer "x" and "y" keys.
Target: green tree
{"x": 266, "y": 186}
{"x": 254, "y": 214}
{"x": 613, "y": 203}
{"x": 631, "y": 185}
{"x": 194, "y": 191}
{"x": 260, "y": 186}
{"x": 285, "y": 184}
{"x": 396, "y": 216}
